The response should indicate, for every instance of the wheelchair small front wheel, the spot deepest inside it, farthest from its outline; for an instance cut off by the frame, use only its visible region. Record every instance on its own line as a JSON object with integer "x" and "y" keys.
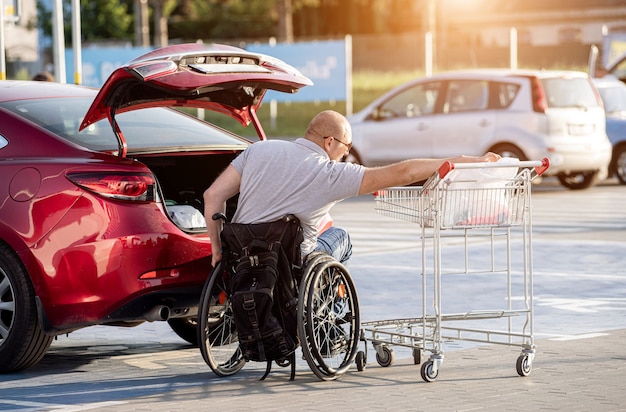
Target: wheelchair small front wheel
{"x": 361, "y": 361}
{"x": 217, "y": 336}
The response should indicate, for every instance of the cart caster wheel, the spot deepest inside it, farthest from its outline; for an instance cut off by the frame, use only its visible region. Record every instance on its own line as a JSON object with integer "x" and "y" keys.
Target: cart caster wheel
{"x": 417, "y": 356}
{"x": 387, "y": 358}
{"x": 428, "y": 372}
{"x": 360, "y": 361}
{"x": 524, "y": 365}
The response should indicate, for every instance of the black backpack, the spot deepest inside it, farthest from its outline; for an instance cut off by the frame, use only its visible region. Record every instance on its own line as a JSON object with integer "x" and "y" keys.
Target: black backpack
{"x": 263, "y": 259}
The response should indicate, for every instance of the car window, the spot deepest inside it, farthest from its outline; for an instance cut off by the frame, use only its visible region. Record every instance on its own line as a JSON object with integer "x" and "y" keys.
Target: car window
{"x": 143, "y": 129}
{"x": 504, "y": 94}
{"x": 569, "y": 92}
{"x": 466, "y": 95}
{"x": 3, "y": 142}
{"x": 413, "y": 101}
{"x": 614, "y": 98}
{"x": 619, "y": 70}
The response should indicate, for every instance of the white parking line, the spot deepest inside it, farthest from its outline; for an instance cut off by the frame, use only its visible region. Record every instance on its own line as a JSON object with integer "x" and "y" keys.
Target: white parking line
{"x": 33, "y": 406}
{"x": 577, "y": 337}
{"x": 87, "y": 406}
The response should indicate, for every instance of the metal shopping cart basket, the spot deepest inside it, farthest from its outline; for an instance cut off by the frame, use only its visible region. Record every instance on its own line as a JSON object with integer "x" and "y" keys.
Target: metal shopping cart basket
{"x": 476, "y": 230}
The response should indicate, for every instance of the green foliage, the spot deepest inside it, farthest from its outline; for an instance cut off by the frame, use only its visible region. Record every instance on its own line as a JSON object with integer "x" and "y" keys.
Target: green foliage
{"x": 231, "y": 19}
{"x": 100, "y": 20}
{"x": 189, "y": 20}
{"x": 106, "y": 19}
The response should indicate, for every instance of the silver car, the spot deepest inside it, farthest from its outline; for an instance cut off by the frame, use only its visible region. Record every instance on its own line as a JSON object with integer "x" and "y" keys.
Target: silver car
{"x": 528, "y": 114}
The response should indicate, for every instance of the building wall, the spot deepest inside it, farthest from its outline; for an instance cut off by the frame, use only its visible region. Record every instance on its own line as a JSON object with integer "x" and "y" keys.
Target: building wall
{"x": 21, "y": 41}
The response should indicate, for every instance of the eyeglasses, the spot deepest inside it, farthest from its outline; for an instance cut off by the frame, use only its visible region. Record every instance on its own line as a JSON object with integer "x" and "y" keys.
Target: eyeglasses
{"x": 347, "y": 145}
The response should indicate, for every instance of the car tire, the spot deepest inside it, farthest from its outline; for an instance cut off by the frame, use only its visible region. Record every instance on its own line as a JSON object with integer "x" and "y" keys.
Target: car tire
{"x": 580, "y": 180}
{"x": 619, "y": 163}
{"x": 185, "y": 328}
{"x": 509, "y": 150}
{"x": 22, "y": 342}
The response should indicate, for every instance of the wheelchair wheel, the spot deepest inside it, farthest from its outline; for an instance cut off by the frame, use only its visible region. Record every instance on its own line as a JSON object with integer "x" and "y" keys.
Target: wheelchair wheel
{"x": 328, "y": 317}
{"x": 217, "y": 336}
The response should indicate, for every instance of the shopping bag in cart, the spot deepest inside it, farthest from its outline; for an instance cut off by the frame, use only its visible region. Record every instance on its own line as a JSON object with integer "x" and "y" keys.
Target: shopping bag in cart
{"x": 477, "y": 196}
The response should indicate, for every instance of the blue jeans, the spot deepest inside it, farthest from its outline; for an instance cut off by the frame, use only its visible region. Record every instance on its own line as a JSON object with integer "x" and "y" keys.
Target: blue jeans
{"x": 336, "y": 242}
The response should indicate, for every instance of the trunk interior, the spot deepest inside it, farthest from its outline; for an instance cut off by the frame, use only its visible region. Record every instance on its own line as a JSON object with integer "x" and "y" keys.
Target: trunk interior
{"x": 183, "y": 180}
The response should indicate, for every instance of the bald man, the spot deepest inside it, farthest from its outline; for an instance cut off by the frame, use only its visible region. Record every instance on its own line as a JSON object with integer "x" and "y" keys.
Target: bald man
{"x": 306, "y": 178}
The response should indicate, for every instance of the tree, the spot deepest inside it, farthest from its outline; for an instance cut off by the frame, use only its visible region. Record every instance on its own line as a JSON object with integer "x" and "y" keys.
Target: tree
{"x": 162, "y": 9}
{"x": 285, "y": 21}
{"x": 107, "y": 20}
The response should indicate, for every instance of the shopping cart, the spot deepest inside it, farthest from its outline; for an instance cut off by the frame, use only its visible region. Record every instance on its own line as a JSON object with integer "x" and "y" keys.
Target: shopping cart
{"x": 483, "y": 209}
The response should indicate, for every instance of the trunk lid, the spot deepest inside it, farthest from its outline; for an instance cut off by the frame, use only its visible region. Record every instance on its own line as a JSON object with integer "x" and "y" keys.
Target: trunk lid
{"x": 214, "y": 77}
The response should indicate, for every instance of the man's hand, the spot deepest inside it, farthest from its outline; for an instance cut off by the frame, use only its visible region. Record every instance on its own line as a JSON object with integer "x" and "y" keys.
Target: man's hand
{"x": 491, "y": 157}
{"x": 217, "y": 256}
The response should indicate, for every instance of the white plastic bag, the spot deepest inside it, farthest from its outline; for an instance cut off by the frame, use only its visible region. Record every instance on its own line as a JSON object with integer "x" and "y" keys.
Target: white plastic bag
{"x": 477, "y": 196}
{"x": 186, "y": 217}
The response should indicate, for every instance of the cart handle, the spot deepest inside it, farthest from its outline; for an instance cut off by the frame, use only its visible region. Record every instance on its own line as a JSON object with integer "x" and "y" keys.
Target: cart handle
{"x": 540, "y": 166}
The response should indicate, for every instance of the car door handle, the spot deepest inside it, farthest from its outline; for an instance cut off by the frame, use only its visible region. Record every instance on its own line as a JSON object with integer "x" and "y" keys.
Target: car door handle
{"x": 422, "y": 127}
{"x": 484, "y": 123}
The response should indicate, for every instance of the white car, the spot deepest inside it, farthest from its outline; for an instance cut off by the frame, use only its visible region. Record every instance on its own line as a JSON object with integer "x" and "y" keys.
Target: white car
{"x": 528, "y": 114}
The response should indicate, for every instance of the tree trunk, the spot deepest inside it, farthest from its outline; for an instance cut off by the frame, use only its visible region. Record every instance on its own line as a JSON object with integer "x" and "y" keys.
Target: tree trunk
{"x": 285, "y": 21}
{"x": 160, "y": 23}
{"x": 142, "y": 28}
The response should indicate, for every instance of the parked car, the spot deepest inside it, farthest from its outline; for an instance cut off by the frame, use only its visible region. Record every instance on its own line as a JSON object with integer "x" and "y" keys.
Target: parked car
{"x": 613, "y": 93}
{"x": 528, "y": 114}
{"x": 101, "y": 211}
{"x": 616, "y": 68}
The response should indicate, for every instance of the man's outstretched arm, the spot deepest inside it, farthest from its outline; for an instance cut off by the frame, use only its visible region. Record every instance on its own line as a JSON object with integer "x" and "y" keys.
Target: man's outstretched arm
{"x": 411, "y": 171}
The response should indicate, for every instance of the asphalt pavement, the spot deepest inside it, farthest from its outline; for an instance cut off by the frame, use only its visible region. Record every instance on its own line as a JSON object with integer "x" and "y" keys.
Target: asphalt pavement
{"x": 577, "y": 373}
{"x": 580, "y": 336}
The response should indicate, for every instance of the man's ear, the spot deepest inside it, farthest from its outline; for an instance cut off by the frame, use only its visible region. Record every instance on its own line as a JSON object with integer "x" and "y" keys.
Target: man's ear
{"x": 327, "y": 142}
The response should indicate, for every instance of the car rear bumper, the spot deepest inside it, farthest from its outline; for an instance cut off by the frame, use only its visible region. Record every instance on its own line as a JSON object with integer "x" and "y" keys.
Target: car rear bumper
{"x": 98, "y": 270}
{"x": 570, "y": 160}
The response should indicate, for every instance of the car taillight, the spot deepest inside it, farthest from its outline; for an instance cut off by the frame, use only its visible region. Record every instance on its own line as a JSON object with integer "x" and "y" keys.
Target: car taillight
{"x": 596, "y": 93}
{"x": 139, "y": 187}
{"x": 540, "y": 104}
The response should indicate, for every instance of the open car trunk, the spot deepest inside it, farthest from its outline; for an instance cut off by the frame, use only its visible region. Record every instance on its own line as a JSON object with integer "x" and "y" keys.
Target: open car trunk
{"x": 219, "y": 78}
{"x": 183, "y": 180}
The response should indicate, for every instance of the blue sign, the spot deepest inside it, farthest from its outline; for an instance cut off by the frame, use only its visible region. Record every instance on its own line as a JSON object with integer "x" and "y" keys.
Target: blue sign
{"x": 322, "y": 62}
{"x": 99, "y": 62}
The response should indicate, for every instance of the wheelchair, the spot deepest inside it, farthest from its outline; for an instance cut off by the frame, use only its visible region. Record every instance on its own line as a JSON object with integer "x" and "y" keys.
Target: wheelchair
{"x": 328, "y": 325}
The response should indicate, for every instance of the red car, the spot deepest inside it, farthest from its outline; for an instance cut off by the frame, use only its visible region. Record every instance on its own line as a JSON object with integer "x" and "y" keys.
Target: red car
{"x": 101, "y": 192}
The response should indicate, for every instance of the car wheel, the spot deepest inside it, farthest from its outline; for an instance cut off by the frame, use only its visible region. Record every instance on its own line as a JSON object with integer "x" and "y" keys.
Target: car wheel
{"x": 186, "y": 328}
{"x": 581, "y": 180}
{"x": 620, "y": 163}
{"x": 509, "y": 150}
{"x": 22, "y": 342}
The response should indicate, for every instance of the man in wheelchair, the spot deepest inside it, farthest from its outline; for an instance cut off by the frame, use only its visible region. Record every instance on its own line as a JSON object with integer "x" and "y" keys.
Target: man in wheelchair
{"x": 303, "y": 178}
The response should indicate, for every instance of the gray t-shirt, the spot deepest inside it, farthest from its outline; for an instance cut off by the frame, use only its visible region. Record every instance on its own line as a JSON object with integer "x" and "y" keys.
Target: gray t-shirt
{"x": 281, "y": 177}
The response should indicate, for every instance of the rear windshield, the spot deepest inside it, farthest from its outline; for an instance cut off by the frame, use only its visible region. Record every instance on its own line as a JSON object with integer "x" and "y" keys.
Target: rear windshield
{"x": 569, "y": 92}
{"x": 146, "y": 129}
{"x": 613, "y": 97}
